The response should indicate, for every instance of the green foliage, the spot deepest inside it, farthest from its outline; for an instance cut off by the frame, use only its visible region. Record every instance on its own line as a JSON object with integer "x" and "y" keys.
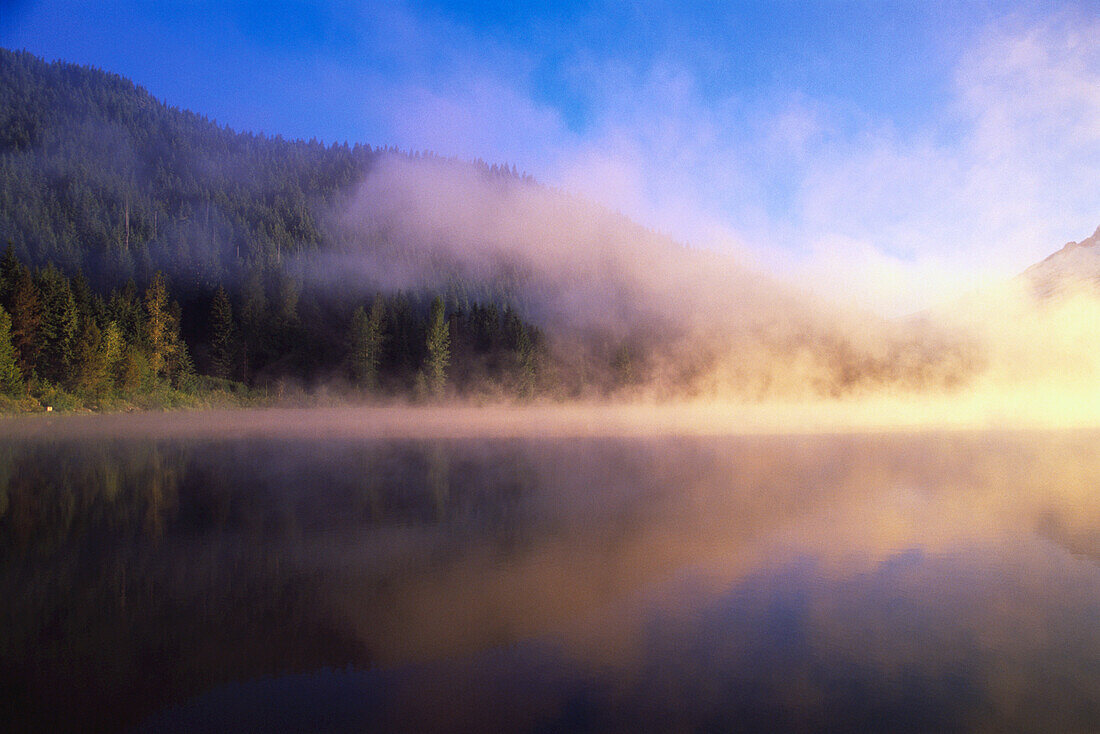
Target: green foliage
{"x": 125, "y": 310}
{"x": 526, "y": 364}
{"x": 91, "y": 360}
{"x": 59, "y": 326}
{"x": 165, "y": 351}
{"x": 365, "y": 344}
{"x": 624, "y": 365}
{"x": 131, "y": 348}
{"x": 108, "y": 197}
{"x": 55, "y": 397}
{"x": 26, "y": 316}
{"x": 158, "y": 338}
{"x": 11, "y": 379}
{"x": 134, "y": 372}
{"x": 10, "y": 270}
{"x": 223, "y": 335}
{"x": 113, "y": 346}
{"x": 96, "y": 174}
{"x": 439, "y": 349}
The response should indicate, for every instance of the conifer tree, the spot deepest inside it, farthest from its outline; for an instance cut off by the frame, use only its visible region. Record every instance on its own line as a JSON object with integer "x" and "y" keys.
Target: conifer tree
{"x": 113, "y": 347}
{"x": 59, "y": 326}
{"x": 366, "y": 342}
{"x": 26, "y": 316}
{"x": 157, "y": 324}
{"x": 400, "y": 328}
{"x": 178, "y": 367}
{"x": 439, "y": 349}
{"x": 91, "y": 362}
{"x": 11, "y": 379}
{"x": 223, "y": 335}
{"x": 133, "y": 370}
{"x": 623, "y": 365}
{"x": 253, "y": 317}
{"x": 10, "y": 270}
{"x": 526, "y": 363}
{"x": 125, "y": 309}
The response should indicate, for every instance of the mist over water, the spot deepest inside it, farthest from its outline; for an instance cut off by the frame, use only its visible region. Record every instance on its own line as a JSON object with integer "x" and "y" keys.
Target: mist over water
{"x": 692, "y": 324}
{"x": 695, "y": 321}
{"x": 278, "y": 579}
{"x": 680, "y": 492}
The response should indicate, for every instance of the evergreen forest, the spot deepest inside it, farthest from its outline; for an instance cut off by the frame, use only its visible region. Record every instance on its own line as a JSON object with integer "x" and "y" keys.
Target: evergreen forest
{"x": 147, "y": 260}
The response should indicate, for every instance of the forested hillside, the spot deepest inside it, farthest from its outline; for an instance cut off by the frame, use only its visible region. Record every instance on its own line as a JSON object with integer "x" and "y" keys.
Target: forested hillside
{"x": 102, "y": 188}
{"x": 98, "y": 174}
{"x": 279, "y": 265}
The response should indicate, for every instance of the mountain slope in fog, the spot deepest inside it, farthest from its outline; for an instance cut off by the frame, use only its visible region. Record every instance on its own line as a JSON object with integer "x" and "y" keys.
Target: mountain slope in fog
{"x": 1037, "y": 333}
{"x": 625, "y": 307}
{"x": 1075, "y": 265}
{"x": 97, "y": 174}
{"x": 102, "y": 179}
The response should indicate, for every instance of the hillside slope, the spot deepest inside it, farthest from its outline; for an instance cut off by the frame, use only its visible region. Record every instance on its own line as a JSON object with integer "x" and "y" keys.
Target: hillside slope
{"x": 1077, "y": 264}
{"x": 96, "y": 173}
{"x": 101, "y": 179}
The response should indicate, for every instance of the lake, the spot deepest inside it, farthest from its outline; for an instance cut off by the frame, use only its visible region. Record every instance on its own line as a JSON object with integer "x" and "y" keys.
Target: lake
{"x": 299, "y": 573}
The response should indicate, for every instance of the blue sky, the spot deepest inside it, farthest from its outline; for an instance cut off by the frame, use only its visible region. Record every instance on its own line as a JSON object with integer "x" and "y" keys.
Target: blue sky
{"x": 919, "y": 148}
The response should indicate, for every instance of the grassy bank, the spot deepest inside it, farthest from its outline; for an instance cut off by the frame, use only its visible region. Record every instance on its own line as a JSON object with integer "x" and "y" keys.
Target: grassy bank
{"x": 204, "y": 392}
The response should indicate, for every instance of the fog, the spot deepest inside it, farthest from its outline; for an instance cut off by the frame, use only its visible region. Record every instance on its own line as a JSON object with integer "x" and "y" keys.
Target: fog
{"x": 573, "y": 265}
{"x": 694, "y": 322}
{"x": 699, "y": 326}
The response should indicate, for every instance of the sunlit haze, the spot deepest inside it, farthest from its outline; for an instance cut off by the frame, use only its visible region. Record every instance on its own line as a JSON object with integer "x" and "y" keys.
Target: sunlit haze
{"x": 550, "y": 367}
{"x": 896, "y": 154}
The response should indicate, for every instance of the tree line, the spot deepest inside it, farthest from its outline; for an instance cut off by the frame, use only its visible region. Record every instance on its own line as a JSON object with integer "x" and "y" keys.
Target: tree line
{"x": 63, "y": 342}
{"x": 149, "y": 248}
{"x": 99, "y": 176}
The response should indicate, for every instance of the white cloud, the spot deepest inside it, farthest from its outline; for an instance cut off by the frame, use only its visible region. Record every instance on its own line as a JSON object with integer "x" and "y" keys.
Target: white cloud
{"x": 814, "y": 186}
{"x": 1012, "y": 171}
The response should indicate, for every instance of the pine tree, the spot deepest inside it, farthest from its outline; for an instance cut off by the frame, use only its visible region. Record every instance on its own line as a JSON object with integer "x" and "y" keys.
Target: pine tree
{"x": 133, "y": 370}
{"x": 10, "y": 271}
{"x": 181, "y": 368}
{"x": 11, "y": 379}
{"x": 114, "y": 347}
{"x": 526, "y": 362}
{"x": 26, "y": 317}
{"x": 287, "y": 338}
{"x": 86, "y": 302}
{"x": 91, "y": 362}
{"x": 223, "y": 335}
{"x": 125, "y": 310}
{"x": 401, "y": 327}
{"x": 59, "y": 327}
{"x": 253, "y": 319}
{"x": 439, "y": 349}
{"x": 366, "y": 340}
{"x": 157, "y": 324}
{"x": 178, "y": 367}
{"x": 623, "y": 365}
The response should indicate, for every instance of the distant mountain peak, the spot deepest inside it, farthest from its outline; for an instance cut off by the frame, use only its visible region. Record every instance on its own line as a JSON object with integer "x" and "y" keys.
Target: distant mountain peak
{"x": 1074, "y": 265}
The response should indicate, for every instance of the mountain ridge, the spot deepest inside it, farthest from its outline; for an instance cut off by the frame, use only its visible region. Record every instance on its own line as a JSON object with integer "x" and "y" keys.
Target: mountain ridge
{"x": 106, "y": 182}
{"x": 1075, "y": 264}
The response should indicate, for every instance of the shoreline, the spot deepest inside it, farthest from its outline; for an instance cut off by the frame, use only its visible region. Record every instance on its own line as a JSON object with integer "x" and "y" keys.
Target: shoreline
{"x": 551, "y": 421}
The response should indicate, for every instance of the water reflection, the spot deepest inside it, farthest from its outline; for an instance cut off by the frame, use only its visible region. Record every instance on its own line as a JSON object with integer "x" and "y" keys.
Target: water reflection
{"x": 857, "y": 582}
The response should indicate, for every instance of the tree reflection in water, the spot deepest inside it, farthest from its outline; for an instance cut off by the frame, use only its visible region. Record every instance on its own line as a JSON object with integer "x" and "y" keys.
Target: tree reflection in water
{"x": 930, "y": 582}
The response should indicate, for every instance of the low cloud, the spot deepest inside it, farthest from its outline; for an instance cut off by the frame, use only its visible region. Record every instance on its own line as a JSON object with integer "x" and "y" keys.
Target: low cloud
{"x": 622, "y": 304}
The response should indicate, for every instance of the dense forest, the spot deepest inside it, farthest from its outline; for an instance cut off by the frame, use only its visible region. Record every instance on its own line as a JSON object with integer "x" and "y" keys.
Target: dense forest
{"x": 146, "y": 246}
{"x": 153, "y": 257}
{"x": 62, "y": 344}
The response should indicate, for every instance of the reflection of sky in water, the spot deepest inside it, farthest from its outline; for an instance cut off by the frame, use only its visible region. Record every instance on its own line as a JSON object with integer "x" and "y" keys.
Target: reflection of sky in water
{"x": 850, "y": 583}
{"x": 920, "y": 643}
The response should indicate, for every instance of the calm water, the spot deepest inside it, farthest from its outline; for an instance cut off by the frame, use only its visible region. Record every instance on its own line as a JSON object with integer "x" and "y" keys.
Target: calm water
{"x": 927, "y": 583}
